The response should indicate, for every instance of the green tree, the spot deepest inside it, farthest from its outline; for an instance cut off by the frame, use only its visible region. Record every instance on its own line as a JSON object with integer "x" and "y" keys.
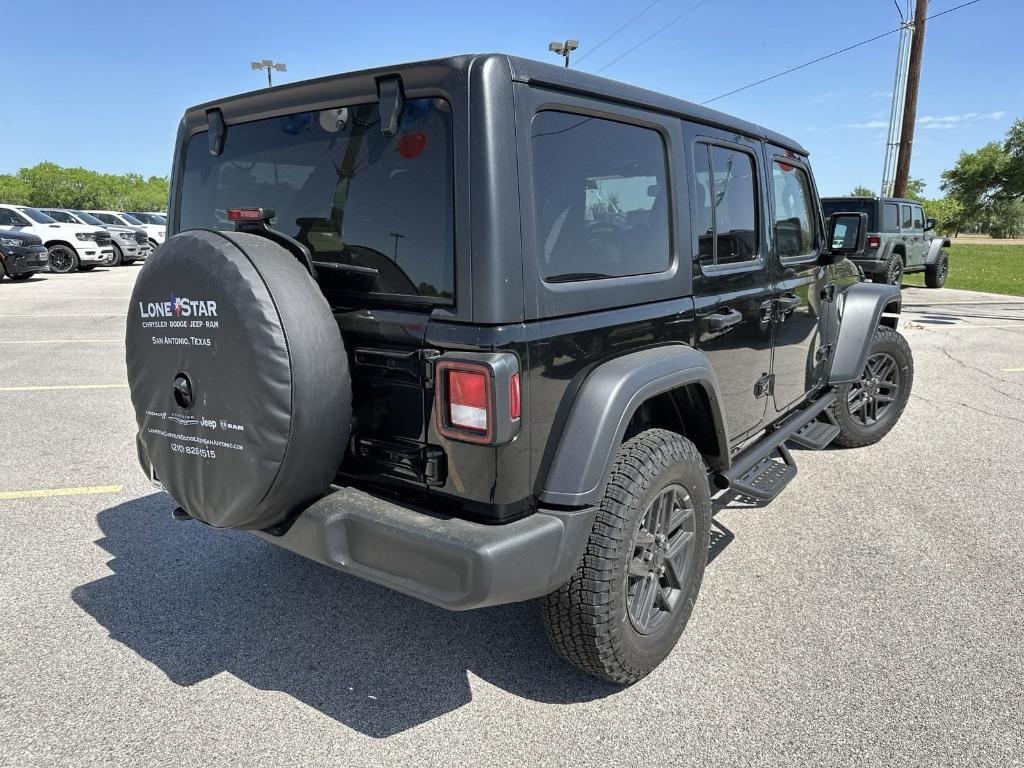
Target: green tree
{"x": 862, "y": 191}
{"x": 48, "y": 185}
{"x": 989, "y": 183}
{"x": 915, "y": 189}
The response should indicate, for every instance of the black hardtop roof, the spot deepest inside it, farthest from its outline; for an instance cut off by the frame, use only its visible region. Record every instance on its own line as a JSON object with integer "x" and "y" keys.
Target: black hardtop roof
{"x": 871, "y": 197}
{"x": 539, "y": 73}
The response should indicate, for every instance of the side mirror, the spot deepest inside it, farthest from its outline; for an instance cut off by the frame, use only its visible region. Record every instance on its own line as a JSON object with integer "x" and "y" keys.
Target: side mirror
{"x": 847, "y": 234}
{"x": 929, "y": 224}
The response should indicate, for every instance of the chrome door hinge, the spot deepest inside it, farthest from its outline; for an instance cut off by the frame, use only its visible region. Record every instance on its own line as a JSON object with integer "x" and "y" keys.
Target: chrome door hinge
{"x": 765, "y": 385}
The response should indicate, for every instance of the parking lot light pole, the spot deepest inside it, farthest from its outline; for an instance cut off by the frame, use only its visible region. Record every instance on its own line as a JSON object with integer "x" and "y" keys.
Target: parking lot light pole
{"x": 564, "y": 49}
{"x": 270, "y": 66}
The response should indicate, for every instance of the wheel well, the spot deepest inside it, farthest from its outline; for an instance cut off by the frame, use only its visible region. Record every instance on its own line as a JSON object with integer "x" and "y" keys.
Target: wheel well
{"x": 685, "y": 410}
{"x": 51, "y": 243}
{"x": 899, "y": 251}
{"x": 890, "y": 315}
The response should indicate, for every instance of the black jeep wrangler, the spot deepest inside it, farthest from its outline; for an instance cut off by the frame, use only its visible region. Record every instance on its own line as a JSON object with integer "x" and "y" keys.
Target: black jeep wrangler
{"x": 484, "y": 330}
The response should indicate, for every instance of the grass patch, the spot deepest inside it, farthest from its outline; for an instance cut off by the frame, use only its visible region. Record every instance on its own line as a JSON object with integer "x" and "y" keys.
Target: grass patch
{"x": 990, "y": 268}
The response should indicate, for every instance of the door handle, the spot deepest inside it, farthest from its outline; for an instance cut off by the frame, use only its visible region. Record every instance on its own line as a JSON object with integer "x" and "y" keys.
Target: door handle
{"x": 722, "y": 320}
{"x": 788, "y": 302}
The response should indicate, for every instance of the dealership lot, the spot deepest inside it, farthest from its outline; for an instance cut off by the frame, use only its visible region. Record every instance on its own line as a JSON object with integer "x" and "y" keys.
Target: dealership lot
{"x": 874, "y": 620}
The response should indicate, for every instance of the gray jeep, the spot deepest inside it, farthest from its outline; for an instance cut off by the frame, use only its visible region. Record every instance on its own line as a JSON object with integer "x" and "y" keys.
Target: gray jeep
{"x": 900, "y": 239}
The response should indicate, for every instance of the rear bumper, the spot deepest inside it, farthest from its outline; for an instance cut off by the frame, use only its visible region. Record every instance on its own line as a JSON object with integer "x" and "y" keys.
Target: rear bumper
{"x": 870, "y": 264}
{"x": 449, "y": 562}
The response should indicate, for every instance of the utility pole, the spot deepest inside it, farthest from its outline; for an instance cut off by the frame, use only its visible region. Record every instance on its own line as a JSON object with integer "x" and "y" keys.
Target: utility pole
{"x": 564, "y": 49}
{"x": 910, "y": 101}
{"x": 899, "y": 92}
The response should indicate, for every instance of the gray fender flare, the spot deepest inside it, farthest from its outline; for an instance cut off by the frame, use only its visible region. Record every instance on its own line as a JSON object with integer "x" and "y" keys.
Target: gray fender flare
{"x": 862, "y": 308}
{"x": 606, "y": 402}
{"x": 938, "y": 243}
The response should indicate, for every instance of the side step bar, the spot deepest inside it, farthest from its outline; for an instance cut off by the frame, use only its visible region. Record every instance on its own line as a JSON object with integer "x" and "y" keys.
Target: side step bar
{"x": 764, "y": 469}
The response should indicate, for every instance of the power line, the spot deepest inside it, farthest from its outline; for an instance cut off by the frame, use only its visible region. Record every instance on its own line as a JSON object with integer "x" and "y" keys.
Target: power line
{"x": 613, "y": 34}
{"x": 653, "y": 35}
{"x": 835, "y": 53}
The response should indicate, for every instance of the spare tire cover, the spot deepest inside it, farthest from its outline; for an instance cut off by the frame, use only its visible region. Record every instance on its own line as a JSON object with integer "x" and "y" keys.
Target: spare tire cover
{"x": 238, "y": 376}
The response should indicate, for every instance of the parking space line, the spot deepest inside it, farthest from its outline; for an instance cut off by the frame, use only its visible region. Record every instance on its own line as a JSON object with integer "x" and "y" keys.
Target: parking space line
{"x": 1014, "y": 370}
{"x": 39, "y": 493}
{"x": 959, "y": 326}
{"x": 63, "y": 341}
{"x": 47, "y": 387}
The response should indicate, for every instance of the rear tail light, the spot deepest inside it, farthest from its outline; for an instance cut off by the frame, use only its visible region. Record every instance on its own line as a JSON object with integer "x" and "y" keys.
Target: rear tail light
{"x": 468, "y": 406}
{"x": 874, "y": 241}
{"x": 477, "y": 397}
{"x": 513, "y": 396}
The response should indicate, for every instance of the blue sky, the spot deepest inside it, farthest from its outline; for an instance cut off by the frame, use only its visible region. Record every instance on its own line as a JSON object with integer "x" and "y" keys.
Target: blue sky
{"x": 106, "y": 86}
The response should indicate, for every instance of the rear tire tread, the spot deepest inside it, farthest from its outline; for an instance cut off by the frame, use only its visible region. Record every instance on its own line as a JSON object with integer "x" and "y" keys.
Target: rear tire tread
{"x": 579, "y": 619}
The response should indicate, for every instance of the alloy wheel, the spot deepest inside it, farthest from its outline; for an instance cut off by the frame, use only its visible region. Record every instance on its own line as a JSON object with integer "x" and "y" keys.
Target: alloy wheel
{"x": 871, "y": 397}
{"x": 61, "y": 259}
{"x": 662, "y": 554}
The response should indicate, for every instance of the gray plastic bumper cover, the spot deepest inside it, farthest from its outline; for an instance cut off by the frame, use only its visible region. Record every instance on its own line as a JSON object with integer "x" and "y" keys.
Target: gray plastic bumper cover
{"x": 450, "y": 562}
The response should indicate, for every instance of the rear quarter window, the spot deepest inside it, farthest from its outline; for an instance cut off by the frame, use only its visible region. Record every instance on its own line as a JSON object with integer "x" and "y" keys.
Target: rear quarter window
{"x": 600, "y": 198}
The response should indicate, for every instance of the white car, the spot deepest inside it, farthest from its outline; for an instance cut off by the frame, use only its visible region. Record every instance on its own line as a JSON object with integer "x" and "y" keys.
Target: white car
{"x": 70, "y": 246}
{"x": 130, "y": 243}
{"x": 155, "y": 232}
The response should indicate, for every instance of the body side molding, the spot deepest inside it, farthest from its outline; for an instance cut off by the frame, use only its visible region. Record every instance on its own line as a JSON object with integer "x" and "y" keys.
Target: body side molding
{"x": 602, "y": 410}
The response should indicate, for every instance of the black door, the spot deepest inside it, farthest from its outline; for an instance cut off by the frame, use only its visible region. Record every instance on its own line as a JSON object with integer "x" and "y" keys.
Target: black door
{"x": 732, "y": 289}
{"x": 797, "y": 240}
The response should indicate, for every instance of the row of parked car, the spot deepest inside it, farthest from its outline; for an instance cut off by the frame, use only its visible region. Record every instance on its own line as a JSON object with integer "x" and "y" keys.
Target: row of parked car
{"x": 66, "y": 240}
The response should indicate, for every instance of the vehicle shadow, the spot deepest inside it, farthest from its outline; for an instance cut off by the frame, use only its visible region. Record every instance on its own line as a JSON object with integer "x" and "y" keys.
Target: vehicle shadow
{"x": 196, "y": 602}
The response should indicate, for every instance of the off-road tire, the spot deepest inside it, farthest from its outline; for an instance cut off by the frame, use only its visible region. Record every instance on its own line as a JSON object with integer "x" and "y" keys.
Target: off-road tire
{"x": 852, "y": 433}
{"x": 587, "y": 619}
{"x": 935, "y": 274}
{"x": 891, "y": 273}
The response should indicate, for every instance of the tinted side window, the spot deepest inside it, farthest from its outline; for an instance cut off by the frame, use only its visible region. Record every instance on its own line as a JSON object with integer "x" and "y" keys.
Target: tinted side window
{"x": 918, "y": 218}
{"x": 7, "y": 218}
{"x": 726, "y": 205}
{"x": 794, "y": 214}
{"x": 600, "y": 198}
{"x": 891, "y": 216}
{"x": 908, "y": 219}
{"x": 60, "y": 216}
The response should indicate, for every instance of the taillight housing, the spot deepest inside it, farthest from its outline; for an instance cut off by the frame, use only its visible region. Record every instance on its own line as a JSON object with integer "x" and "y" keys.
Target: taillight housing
{"x": 874, "y": 241}
{"x": 477, "y": 397}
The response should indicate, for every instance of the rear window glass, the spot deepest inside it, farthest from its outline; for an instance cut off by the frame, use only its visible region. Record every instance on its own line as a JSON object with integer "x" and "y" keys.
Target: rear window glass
{"x": 344, "y": 189}
{"x": 869, "y": 207}
{"x": 600, "y": 198}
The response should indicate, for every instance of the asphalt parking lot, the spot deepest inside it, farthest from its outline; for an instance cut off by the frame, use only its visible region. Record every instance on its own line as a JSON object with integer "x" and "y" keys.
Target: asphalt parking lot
{"x": 873, "y": 615}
